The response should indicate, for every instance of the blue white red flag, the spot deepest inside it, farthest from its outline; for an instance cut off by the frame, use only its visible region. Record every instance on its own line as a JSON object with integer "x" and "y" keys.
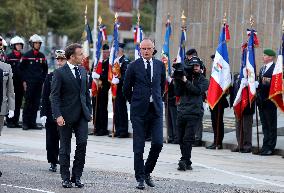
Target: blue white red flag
{"x": 138, "y": 37}
{"x": 181, "y": 51}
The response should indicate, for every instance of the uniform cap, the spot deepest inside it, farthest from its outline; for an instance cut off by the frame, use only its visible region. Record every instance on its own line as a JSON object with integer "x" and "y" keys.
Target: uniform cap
{"x": 269, "y": 52}
{"x": 105, "y": 47}
{"x": 60, "y": 54}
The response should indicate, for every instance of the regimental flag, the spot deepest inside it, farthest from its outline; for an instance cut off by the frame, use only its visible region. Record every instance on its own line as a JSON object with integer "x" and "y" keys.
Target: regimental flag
{"x": 220, "y": 79}
{"x": 181, "y": 51}
{"x": 166, "y": 51}
{"x": 87, "y": 43}
{"x": 250, "y": 66}
{"x": 138, "y": 37}
{"x": 113, "y": 64}
{"x": 276, "y": 85}
{"x": 242, "y": 99}
{"x": 98, "y": 63}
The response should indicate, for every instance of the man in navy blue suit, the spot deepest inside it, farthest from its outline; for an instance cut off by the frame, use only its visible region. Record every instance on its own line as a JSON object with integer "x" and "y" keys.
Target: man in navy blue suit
{"x": 143, "y": 87}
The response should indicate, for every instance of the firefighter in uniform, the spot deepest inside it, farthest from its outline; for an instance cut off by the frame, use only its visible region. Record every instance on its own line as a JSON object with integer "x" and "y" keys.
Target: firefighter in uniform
{"x": 33, "y": 72}
{"x": 14, "y": 59}
{"x": 52, "y": 135}
{"x": 121, "y": 115}
{"x": 102, "y": 112}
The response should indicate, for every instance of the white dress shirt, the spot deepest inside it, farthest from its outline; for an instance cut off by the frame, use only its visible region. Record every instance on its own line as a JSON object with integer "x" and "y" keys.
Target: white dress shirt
{"x": 267, "y": 66}
{"x": 71, "y": 66}
{"x": 151, "y": 64}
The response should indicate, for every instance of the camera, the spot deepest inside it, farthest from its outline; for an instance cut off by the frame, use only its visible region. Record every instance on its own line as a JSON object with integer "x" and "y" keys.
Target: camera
{"x": 185, "y": 69}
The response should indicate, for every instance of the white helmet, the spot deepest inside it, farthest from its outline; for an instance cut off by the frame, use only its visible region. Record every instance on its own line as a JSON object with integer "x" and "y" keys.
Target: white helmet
{"x": 16, "y": 40}
{"x": 4, "y": 43}
{"x": 35, "y": 38}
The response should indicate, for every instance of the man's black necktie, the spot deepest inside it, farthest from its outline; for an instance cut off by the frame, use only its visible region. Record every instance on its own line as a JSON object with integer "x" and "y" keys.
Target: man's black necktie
{"x": 148, "y": 70}
{"x": 263, "y": 70}
{"x": 77, "y": 74}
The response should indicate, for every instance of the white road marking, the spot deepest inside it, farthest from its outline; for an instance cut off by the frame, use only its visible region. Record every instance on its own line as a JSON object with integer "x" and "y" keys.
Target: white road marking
{"x": 239, "y": 175}
{"x": 25, "y": 188}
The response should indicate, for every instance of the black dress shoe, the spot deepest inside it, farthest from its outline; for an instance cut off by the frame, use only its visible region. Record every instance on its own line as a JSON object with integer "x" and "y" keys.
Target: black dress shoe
{"x": 0, "y": 173}
{"x": 197, "y": 143}
{"x": 101, "y": 133}
{"x": 266, "y": 153}
{"x": 283, "y": 156}
{"x": 123, "y": 135}
{"x": 66, "y": 183}
{"x": 25, "y": 127}
{"x": 149, "y": 181}
{"x": 213, "y": 146}
{"x": 114, "y": 135}
{"x": 237, "y": 149}
{"x": 246, "y": 150}
{"x": 53, "y": 167}
{"x": 11, "y": 125}
{"x": 181, "y": 165}
{"x": 77, "y": 182}
{"x": 140, "y": 185}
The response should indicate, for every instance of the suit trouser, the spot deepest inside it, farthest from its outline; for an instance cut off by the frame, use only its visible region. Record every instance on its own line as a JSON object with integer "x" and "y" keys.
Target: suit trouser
{"x": 247, "y": 131}
{"x": 1, "y": 123}
{"x": 81, "y": 133}
{"x": 218, "y": 124}
{"x": 52, "y": 142}
{"x": 102, "y": 112}
{"x": 268, "y": 118}
{"x": 156, "y": 127}
{"x": 32, "y": 102}
{"x": 19, "y": 94}
{"x": 187, "y": 126}
{"x": 121, "y": 115}
{"x": 172, "y": 118}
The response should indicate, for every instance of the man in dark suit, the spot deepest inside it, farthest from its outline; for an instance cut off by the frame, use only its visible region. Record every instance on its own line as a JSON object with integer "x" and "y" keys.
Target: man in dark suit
{"x": 71, "y": 107}
{"x": 143, "y": 87}
{"x": 267, "y": 109}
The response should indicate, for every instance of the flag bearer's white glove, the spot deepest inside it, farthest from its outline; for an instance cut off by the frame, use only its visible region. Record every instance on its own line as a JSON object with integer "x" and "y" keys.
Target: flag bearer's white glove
{"x": 10, "y": 114}
{"x": 115, "y": 80}
{"x": 95, "y": 75}
{"x": 43, "y": 120}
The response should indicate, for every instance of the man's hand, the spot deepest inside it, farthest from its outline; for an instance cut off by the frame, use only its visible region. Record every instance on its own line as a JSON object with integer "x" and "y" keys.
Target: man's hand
{"x": 60, "y": 121}
{"x": 115, "y": 80}
{"x": 25, "y": 86}
{"x": 43, "y": 120}
{"x": 184, "y": 79}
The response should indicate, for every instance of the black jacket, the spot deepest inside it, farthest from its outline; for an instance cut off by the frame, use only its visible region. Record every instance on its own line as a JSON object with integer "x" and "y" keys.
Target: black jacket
{"x": 33, "y": 67}
{"x": 68, "y": 98}
{"x": 191, "y": 95}
{"x": 14, "y": 61}
{"x": 45, "y": 109}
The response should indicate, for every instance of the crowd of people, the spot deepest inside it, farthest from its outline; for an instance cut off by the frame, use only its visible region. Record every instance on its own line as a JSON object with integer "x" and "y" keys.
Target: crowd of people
{"x": 141, "y": 83}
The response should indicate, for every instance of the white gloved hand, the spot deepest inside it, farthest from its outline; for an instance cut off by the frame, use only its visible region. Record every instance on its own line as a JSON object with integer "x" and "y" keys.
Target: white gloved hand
{"x": 43, "y": 120}
{"x": 10, "y": 114}
{"x": 95, "y": 75}
{"x": 256, "y": 83}
{"x": 169, "y": 79}
{"x": 245, "y": 82}
{"x": 206, "y": 107}
{"x": 115, "y": 80}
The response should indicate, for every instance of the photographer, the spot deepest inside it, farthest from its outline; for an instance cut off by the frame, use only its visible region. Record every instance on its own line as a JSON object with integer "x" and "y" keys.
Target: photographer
{"x": 190, "y": 85}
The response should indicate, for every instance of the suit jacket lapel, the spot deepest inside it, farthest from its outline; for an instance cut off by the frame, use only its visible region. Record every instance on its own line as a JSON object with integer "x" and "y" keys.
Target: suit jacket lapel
{"x": 83, "y": 78}
{"x": 71, "y": 76}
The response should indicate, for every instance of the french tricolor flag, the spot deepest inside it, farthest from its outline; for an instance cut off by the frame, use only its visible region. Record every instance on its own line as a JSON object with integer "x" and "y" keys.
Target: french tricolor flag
{"x": 220, "y": 79}
{"x": 276, "y": 86}
{"x": 138, "y": 37}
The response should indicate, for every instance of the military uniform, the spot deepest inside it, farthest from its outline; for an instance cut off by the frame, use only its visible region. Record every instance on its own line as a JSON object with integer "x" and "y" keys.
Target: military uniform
{"x": 33, "y": 71}
{"x": 267, "y": 109}
{"x": 102, "y": 112}
{"x": 14, "y": 59}
{"x": 121, "y": 115}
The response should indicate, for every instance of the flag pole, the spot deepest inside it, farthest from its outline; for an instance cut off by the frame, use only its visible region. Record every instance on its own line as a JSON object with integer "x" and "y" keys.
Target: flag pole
{"x": 256, "y": 112}
{"x": 95, "y": 28}
{"x": 219, "y": 104}
{"x": 167, "y": 96}
{"x": 113, "y": 98}
{"x": 99, "y": 83}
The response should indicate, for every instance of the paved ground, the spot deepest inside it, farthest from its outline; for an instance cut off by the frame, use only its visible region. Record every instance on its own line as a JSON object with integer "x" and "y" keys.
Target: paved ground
{"x": 109, "y": 168}
{"x": 27, "y": 176}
